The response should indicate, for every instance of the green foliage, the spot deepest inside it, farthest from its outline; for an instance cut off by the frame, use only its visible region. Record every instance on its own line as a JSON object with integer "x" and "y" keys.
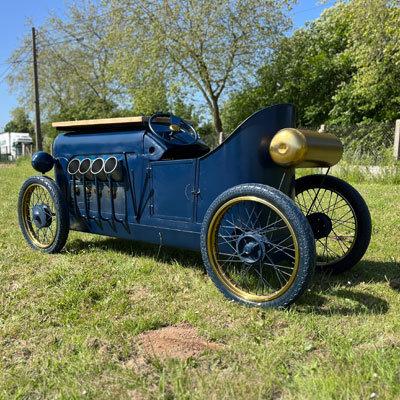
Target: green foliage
{"x": 374, "y": 44}
{"x": 305, "y": 69}
{"x": 86, "y": 108}
{"x": 207, "y": 134}
{"x": 104, "y": 59}
{"x": 205, "y": 47}
{"x": 145, "y": 57}
{"x": 20, "y": 122}
{"x": 344, "y": 68}
{"x": 74, "y": 59}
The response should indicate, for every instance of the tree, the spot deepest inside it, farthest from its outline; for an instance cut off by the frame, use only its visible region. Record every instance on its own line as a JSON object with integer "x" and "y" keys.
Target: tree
{"x": 374, "y": 46}
{"x": 73, "y": 65}
{"x": 305, "y": 69}
{"x": 20, "y": 122}
{"x": 207, "y": 46}
{"x": 343, "y": 68}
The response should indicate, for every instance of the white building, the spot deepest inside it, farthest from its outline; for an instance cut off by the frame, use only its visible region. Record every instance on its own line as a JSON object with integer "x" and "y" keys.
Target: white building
{"x": 14, "y": 145}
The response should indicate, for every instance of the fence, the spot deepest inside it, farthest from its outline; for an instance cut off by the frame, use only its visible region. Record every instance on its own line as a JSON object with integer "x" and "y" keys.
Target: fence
{"x": 370, "y": 142}
{"x": 5, "y": 155}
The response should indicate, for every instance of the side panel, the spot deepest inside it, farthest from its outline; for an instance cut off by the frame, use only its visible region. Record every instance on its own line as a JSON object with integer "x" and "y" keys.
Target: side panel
{"x": 244, "y": 158}
{"x": 173, "y": 189}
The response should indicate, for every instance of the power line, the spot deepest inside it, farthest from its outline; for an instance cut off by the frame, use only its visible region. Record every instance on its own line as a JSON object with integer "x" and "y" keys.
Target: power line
{"x": 46, "y": 31}
{"x": 24, "y": 60}
{"x": 14, "y": 62}
{"x": 61, "y": 41}
{"x": 13, "y": 65}
{"x": 5, "y": 73}
{"x": 309, "y": 9}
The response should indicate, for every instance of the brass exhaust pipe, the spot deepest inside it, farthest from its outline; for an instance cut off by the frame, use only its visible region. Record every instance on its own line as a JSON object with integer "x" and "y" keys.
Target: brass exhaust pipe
{"x": 113, "y": 167}
{"x": 304, "y": 149}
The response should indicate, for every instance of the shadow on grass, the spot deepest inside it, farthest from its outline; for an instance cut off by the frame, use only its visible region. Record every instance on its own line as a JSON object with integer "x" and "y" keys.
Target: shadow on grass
{"x": 349, "y": 300}
{"x": 363, "y": 272}
{"x": 165, "y": 254}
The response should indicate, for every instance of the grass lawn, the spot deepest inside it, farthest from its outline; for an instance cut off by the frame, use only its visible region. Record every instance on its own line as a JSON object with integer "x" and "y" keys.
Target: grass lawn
{"x": 69, "y": 322}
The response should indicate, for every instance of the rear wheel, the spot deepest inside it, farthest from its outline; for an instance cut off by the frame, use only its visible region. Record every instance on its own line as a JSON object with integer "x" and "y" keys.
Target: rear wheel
{"x": 43, "y": 214}
{"x": 257, "y": 246}
{"x": 339, "y": 218}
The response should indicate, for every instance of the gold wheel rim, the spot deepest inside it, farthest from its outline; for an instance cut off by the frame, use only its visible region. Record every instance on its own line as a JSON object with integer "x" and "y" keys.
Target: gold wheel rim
{"x": 284, "y": 274}
{"x": 341, "y": 240}
{"x": 36, "y": 194}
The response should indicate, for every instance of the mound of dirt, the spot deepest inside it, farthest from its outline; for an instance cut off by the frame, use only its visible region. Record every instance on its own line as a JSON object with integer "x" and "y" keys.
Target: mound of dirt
{"x": 180, "y": 341}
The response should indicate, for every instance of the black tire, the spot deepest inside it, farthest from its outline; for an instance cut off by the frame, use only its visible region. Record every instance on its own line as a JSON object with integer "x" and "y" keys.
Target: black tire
{"x": 257, "y": 246}
{"x": 347, "y": 241}
{"x": 43, "y": 214}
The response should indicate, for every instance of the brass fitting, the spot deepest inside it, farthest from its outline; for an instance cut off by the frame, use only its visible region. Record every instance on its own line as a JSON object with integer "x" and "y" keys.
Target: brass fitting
{"x": 305, "y": 149}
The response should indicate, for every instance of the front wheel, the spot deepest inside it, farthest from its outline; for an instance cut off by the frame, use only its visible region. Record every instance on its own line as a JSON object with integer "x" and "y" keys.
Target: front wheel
{"x": 43, "y": 214}
{"x": 257, "y": 246}
{"x": 339, "y": 218}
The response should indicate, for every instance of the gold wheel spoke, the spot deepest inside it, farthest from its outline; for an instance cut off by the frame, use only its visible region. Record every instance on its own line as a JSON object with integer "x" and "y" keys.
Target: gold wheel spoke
{"x": 36, "y": 194}
{"x": 253, "y": 247}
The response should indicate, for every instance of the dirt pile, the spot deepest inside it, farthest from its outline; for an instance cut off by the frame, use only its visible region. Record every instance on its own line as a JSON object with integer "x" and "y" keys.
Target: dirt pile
{"x": 180, "y": 341}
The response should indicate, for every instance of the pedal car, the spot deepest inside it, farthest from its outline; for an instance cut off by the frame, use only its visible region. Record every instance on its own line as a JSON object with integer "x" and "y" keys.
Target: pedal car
{"x": 260, "y": 232}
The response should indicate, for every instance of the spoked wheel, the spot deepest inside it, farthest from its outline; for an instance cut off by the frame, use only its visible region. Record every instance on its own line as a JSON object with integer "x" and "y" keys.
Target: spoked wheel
{"x": 257, "y": 246}
{"x": 43, "y": 214}
{"x": 339, "y": 218}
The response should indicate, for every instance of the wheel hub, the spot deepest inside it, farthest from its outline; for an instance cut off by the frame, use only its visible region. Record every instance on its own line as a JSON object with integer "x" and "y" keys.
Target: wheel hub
{"x": 41, "y": 215}
{"x": 250, "y": 248}
{"x": 321, "y": 224}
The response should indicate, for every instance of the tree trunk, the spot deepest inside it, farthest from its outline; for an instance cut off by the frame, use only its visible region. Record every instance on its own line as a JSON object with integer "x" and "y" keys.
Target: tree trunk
{"x": 216, "y": 117}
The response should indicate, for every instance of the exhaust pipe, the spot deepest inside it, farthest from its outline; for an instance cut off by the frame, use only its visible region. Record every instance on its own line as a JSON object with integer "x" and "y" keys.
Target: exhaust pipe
{"x": 97, "y": 169}
{"x": 84, "y": 169}
{"x": 73, "y": 168}
{"x": 113, "y": 167}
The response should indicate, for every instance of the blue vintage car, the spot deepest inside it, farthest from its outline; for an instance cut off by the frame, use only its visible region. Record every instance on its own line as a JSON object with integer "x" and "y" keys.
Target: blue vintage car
{"x": 260, "y": 231}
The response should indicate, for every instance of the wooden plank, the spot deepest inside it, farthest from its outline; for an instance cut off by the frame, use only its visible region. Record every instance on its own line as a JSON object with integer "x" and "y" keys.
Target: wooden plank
{"x": 109, "y": 122}
{"x": 95, "y": 122}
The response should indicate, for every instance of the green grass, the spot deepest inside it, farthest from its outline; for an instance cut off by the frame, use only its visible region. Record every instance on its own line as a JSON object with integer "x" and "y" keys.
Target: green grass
{"x": 68, "y": 322}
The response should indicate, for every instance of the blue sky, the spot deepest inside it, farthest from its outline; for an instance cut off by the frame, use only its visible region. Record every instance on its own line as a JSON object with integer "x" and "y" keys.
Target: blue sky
{"x": 16, "y": 13}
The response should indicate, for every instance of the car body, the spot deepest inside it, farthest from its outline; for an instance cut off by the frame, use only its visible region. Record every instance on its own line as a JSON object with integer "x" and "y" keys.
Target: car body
{"x": 154, "y": 180}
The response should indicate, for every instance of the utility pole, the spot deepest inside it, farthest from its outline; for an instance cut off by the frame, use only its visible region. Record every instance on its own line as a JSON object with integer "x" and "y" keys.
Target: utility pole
{"x": 38, "y": 131}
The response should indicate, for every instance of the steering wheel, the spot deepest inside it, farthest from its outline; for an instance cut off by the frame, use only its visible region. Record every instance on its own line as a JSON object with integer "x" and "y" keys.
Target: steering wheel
{"x": 179, "y": 132}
